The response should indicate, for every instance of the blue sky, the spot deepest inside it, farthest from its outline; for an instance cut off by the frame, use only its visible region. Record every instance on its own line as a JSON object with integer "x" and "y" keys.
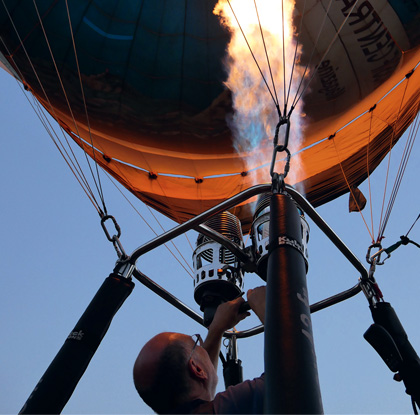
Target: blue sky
{"x": 54, "y": 257}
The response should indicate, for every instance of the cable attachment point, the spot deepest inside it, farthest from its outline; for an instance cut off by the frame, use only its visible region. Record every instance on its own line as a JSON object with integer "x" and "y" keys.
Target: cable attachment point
{"x": 369, "y": 285}
{"x": 277, "y": 183}
{"x": 375, "y": 259}
{"x": 282, "y": 121}
{"x": 115, "y": 239}
{"x": 371, "y": 288}
{"x": 282, "y": 147}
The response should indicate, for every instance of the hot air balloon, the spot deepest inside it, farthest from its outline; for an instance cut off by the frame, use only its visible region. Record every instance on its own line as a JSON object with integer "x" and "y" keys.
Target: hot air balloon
{"x": 141, "y": 88}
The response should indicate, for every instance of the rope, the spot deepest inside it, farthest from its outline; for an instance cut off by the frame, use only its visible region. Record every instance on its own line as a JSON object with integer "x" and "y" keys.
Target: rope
{"x": 401, "y": 170}
{"x": 418, "y": 217}
{"x": 190, "y": 271}
{"x": 163, "y": 229}
{"x": 351, "y": 191}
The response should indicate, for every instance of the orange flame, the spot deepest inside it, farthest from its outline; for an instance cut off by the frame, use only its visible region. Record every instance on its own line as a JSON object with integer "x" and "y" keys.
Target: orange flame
{"x": 255, "y": 114}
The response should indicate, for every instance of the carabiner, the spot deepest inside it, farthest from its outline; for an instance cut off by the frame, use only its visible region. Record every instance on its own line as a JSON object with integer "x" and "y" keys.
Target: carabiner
{"x": 282, "y": 121}
{"x": 376, "y": 258}
{"x": 115, "y": 239}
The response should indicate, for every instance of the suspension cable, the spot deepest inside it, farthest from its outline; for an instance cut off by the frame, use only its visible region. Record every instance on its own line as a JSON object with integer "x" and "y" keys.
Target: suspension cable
{"x": 186, "y": 263}
{"x": 176, "y": 248}
{"x": 414, "y": 129}
{"x": 350, "y": 189}
{"x": 412, "y": 226}
{"x": 385, "y": 217}
{"x": 79, "y": 175}
{"x": 253, "y": 56}
{"x": 284, "y": 58}
{"x": 368, "y": 172}
{"x": 266, "y": 55}
{"x": 61, "y": 84}
{"x": 72, "y": 160}
{"x": 294, "y": 59}
{"x": 312, "y": 52}
{"x": 98, "y": 186}
{"x": 299, "y": 96}
{"x": 81, "y": 179}
{"x": 51, "y": 132}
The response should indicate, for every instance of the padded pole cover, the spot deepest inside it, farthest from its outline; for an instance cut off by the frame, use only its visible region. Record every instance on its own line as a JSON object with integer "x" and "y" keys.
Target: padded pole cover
{"x": 291, "y": 375}
{"x": 60, "y": 379}
{"x": 384, "y": 315}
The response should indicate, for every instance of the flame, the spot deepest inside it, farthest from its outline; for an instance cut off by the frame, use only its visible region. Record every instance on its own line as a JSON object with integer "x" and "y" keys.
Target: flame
{"x": 255, "y": 115}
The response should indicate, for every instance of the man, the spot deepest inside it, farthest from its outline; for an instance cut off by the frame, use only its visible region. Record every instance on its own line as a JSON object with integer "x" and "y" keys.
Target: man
{"x": 175, "y": 374}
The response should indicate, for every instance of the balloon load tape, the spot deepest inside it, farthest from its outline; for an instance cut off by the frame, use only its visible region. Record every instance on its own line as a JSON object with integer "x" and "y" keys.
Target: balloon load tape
{"x": 260, "y": 235}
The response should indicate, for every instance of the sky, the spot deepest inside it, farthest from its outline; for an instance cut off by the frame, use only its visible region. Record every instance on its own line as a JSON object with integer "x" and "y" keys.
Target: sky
{"x": 55, "y": 256}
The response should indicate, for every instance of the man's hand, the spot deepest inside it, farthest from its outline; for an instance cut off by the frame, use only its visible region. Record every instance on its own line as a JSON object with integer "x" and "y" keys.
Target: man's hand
{"x": 256, "y": 300}
{"x": 227, "y": 316}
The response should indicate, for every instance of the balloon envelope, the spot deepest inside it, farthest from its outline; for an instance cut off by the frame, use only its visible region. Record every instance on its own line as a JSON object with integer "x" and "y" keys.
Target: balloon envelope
{"x": 146, "y": 91}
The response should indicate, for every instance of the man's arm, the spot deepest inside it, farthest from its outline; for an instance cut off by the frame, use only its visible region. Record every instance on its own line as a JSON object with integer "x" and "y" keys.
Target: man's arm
{"x": 226, "y": 316}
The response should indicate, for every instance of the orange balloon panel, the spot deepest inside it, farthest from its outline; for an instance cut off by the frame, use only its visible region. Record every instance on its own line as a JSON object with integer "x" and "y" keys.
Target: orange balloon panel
{"x": 148, "y": 91}
{"x": 345, "y": 146}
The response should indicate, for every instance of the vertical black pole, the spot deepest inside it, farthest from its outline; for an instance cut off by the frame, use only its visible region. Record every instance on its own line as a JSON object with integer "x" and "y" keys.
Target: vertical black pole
{"x": 291, "y": 376}
{"x": 60, "y": 379}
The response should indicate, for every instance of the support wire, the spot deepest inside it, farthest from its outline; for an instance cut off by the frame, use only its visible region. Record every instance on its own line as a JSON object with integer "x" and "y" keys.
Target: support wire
{"x": 69, "y": 155}
{"x": 266, "y": 55}
{"x": 298, "y": 95}
{"x": 76, "y": 170}
{"x": 98, "y": 186}
{"x": 186, "y": 263}
{"x": 253, "y": 56}
{"x": 413, "y": 132}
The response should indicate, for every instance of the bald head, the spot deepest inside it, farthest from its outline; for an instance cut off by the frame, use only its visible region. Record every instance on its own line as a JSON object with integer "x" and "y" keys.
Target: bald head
{"x": 148, "y": 361}
{"x": 161, "y": 371}
{"x": 166, "y": 374}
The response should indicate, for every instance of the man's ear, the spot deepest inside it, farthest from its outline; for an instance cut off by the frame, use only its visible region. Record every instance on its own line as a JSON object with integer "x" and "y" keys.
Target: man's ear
{"x": 197, "y": 370}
